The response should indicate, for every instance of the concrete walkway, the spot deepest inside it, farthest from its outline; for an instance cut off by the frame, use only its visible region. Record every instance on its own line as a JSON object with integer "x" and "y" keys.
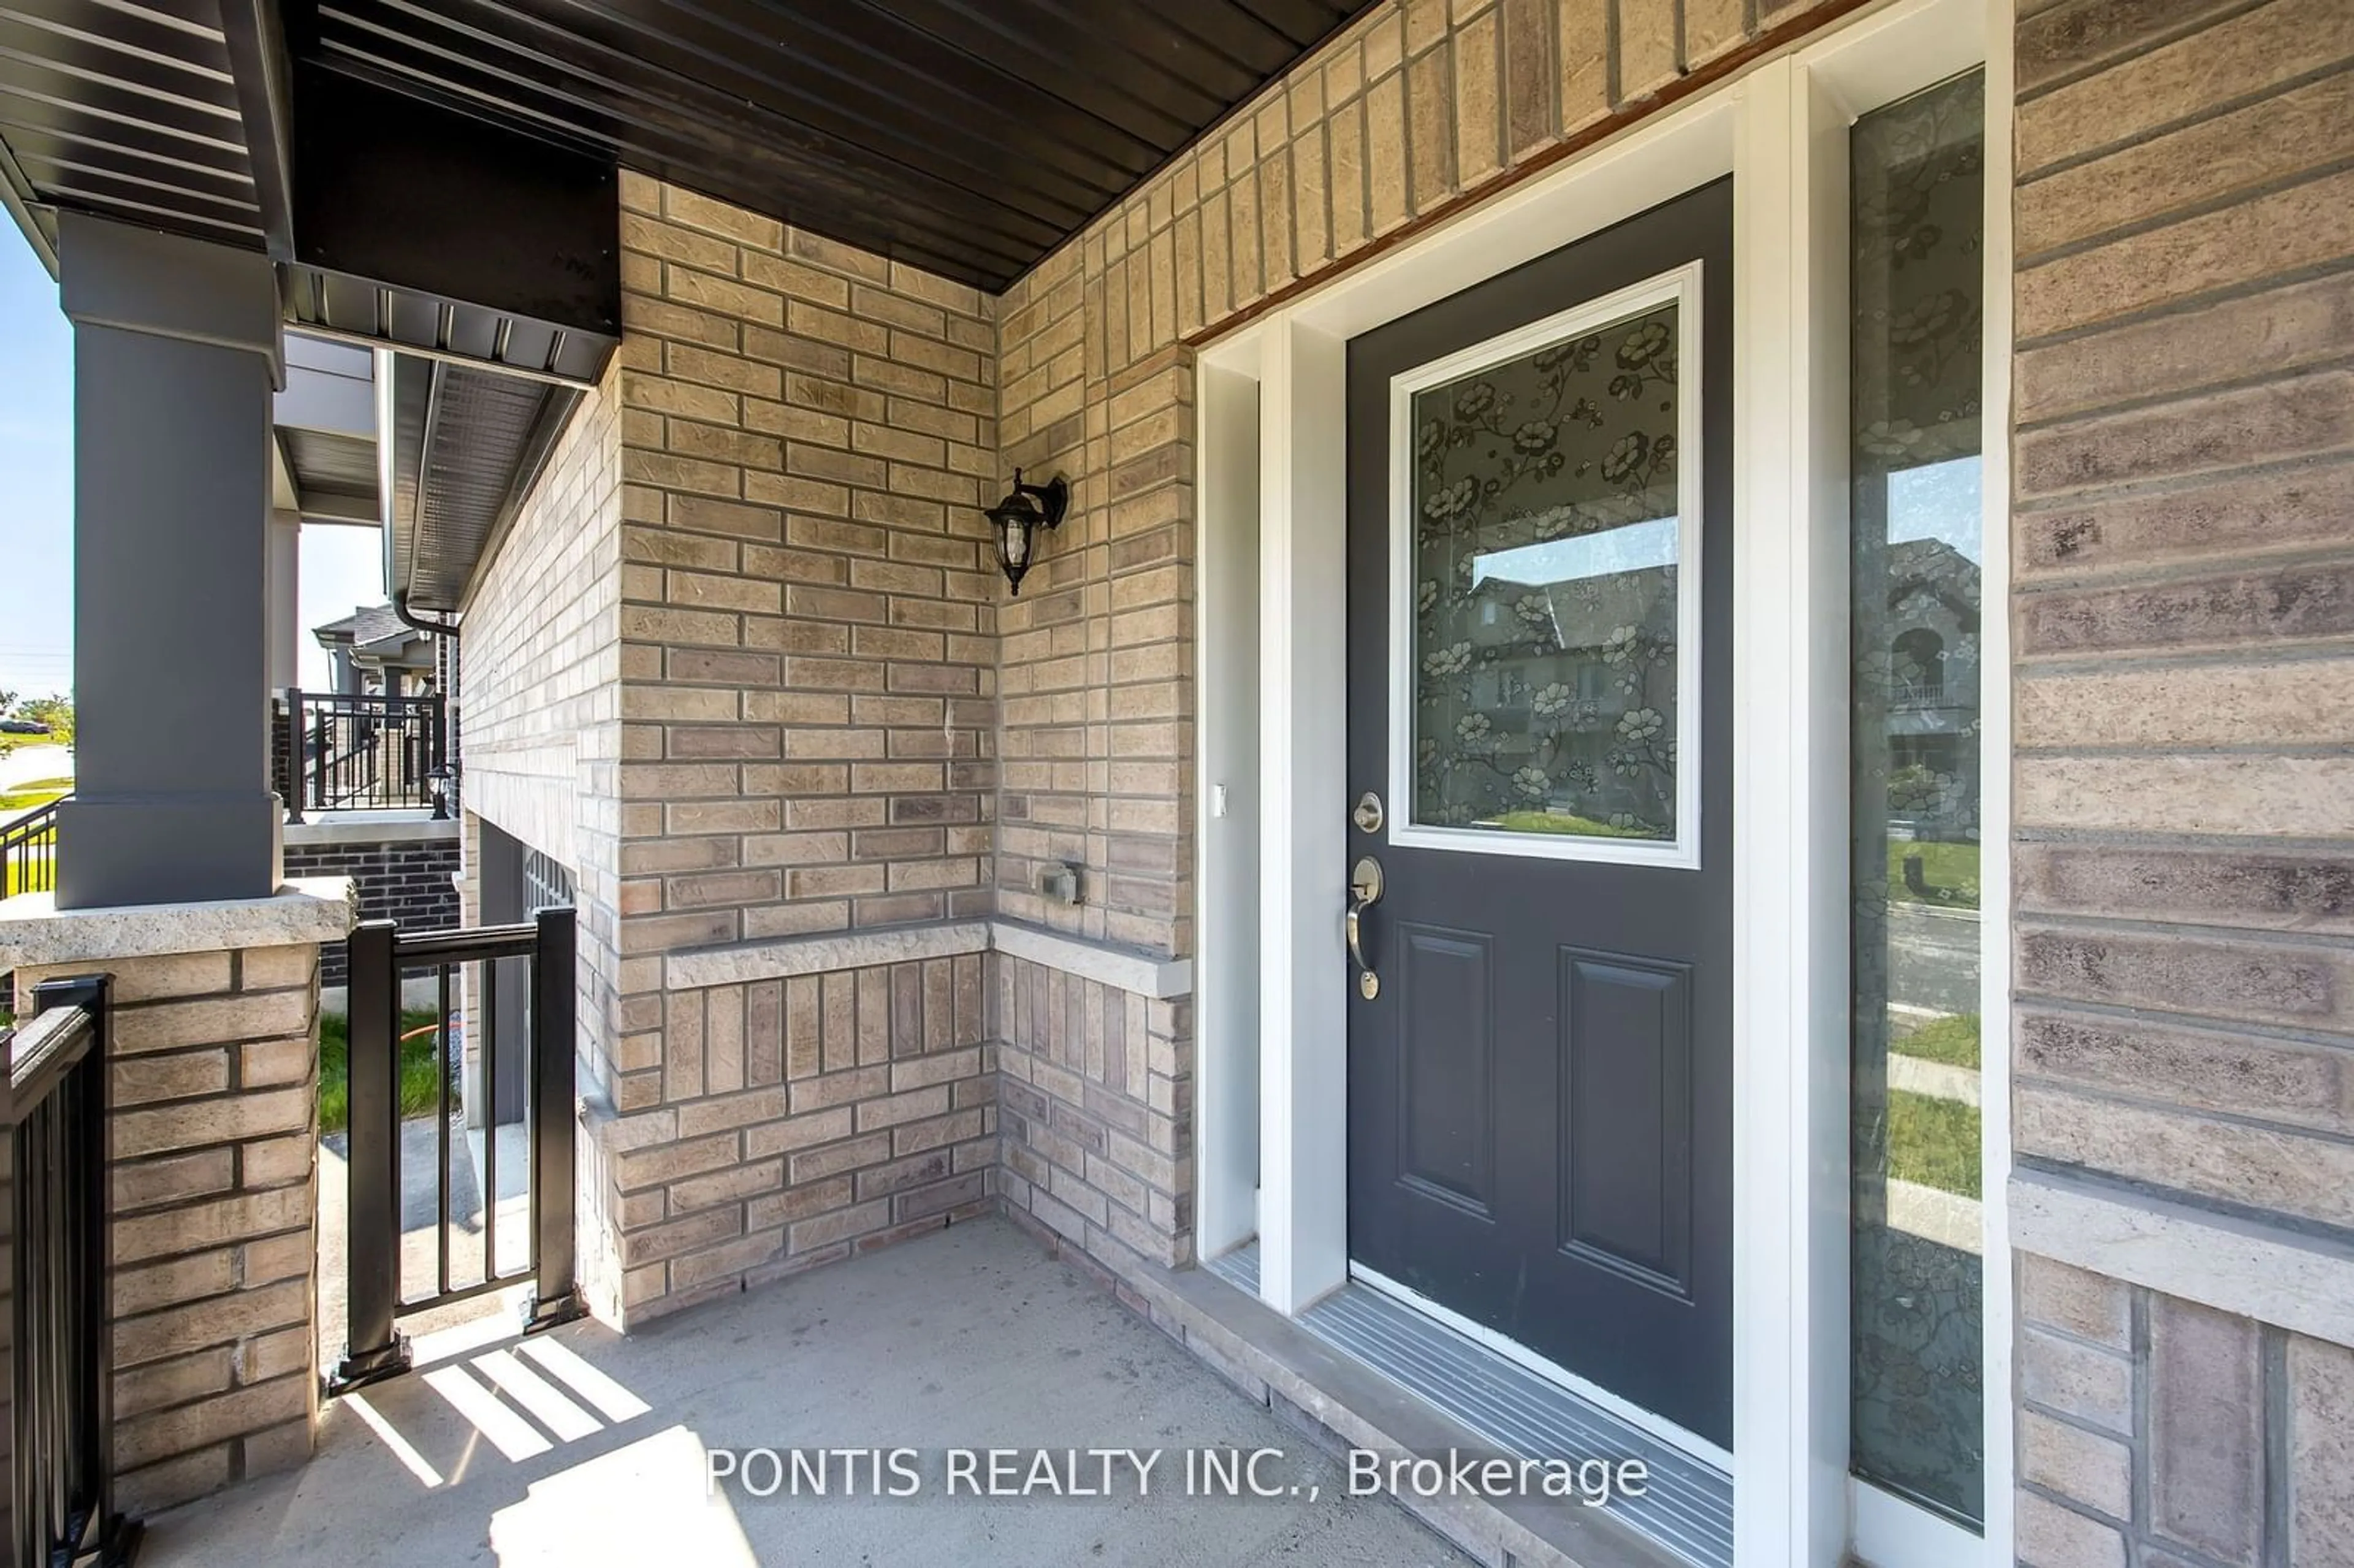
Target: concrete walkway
{"x": 35, "y": 759}
{"x": 586, "y": 1449}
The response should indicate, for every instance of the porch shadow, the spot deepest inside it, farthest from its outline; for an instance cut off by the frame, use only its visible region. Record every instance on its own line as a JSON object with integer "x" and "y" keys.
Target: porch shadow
{"x": 583, "y": 1448}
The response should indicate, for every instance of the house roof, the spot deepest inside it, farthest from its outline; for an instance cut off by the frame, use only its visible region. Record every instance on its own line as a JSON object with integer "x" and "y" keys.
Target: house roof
{"x": 373, "y": 623}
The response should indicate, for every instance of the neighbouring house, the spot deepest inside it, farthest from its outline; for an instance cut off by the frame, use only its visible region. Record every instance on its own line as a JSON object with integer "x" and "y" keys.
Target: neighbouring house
{"x": 373, "y": 652}
{"x": 372, "y": 798}
{"x": 1679, "y": 775}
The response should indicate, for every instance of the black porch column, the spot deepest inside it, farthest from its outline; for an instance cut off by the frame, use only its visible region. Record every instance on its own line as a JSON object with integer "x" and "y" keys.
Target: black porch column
{"x": 176, "y": 352}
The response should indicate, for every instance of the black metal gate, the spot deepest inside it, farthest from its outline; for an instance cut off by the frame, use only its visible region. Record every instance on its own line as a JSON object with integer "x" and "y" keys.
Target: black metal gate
{"x": 393, "y": 1270}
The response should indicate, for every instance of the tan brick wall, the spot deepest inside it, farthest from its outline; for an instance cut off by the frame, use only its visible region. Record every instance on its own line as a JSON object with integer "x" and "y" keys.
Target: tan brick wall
{"x": 788, "y": 616}
{"x": 1417, "y": 109}
{"x": 215, "y": 1065}
{"x": 539, "y": 699}
{"x": 539, "y": 663}
{"x": 2184, "y": 627}
{"x": 2147, "y": 1418}
{"x": 1098, "y": 1113}
{"x": 805, "y": 1117}
{"x": 807, "y": 623}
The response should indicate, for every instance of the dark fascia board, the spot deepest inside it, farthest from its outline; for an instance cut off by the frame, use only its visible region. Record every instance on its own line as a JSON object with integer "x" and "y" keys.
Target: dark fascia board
{"x": 317, "y": 507}
{"x": 16, "y": 195}
{"x": 262, "y": 73}
{"x": 405, "y": 386}
{"x": 408, "y": 193}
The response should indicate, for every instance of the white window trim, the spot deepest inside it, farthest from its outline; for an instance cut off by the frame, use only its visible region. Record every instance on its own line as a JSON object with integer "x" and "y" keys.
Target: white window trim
{"x": 1780, "y": 129}
{"x": 1682, "y": 287}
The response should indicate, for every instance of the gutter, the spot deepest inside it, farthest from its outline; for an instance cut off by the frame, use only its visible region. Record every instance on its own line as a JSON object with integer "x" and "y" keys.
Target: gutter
{"x": 418, "y": 623}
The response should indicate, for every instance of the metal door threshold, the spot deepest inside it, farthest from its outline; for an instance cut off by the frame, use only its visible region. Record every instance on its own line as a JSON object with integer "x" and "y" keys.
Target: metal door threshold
{"x": 1688, "y": 1507}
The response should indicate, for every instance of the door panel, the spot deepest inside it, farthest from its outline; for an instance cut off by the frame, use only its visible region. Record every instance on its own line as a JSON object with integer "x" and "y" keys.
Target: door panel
{"x": 1540, "y": 616}
{"x": 1626, "y": 1045}
{"x": 1447, "y": 1053}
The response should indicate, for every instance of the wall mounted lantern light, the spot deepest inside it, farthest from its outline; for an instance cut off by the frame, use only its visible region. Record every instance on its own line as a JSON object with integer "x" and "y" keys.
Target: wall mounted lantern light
{"x": 1015, "y": 520}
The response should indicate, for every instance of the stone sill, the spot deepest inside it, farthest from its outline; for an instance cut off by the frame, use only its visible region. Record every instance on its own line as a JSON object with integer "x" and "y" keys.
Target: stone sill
{"x": 335, "y": 828}
{"x": 34, "y": 933}
{"x": 820, "y": 953}
{"x": 2274, "y": 1275}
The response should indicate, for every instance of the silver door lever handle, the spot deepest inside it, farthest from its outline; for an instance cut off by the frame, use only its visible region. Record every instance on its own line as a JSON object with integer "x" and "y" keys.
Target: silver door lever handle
{"x": 1364, "y": 891}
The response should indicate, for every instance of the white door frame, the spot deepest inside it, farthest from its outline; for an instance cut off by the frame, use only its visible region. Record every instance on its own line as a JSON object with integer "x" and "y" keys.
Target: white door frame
{"x": 1780, "y": 129}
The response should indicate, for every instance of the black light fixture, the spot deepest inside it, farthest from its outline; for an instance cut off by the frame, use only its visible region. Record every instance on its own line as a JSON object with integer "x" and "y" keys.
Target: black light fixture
{"x": 1025, "y": 509}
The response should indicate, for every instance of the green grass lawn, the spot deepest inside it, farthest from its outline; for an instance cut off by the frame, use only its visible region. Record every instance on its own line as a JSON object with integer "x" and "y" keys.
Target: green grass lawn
{"x": 1933, "y": 1142}
{"x": 1950, "y": 870}
{"x": 419, "y": 1068}
{"x": 1952, "y": 1040}
{"x": 32, "y": 793}
{"x": 1564, "y": 823}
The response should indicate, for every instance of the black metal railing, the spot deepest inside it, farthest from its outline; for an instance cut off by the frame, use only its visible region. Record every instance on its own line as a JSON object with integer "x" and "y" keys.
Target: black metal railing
{"x": 62, "y": 1428}
{"x": 1917, "y": 694}
{"x": 490, "y": 985}
{"x": 28, "y": 852}
{"x": 339, "y": 752}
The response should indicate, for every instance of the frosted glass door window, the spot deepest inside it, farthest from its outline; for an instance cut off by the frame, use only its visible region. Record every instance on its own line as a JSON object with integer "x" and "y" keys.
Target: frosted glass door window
{"x": 1548, "y": 553}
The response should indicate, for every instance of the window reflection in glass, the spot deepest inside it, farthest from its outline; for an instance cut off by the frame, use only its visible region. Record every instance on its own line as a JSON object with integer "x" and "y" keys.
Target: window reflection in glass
{"x": 1545, "y": 560}
{"x": 1918, "y": 1425}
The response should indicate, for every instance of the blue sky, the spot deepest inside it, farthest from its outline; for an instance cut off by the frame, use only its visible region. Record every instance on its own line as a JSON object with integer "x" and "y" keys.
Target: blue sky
{"x": 36, "y": 476}
{"x": 1940, "y": 501}
{"x": 340, "y": 567}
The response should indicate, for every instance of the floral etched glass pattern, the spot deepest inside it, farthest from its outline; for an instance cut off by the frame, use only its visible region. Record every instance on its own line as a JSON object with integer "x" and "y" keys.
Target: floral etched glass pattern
{"x": 1917, "y": 1274}
{"x": 1545, "y": 551}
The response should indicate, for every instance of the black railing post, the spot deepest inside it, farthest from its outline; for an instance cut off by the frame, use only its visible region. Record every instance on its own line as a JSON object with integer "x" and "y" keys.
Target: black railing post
{"x": 554, "y": 1115}
{"x": 437, "y": 755}
{"x": 318, "y": 771}
{"x": 62, "y": 1278}
{"x": 373, "y": 1348}
{"x": 293, "y": 754}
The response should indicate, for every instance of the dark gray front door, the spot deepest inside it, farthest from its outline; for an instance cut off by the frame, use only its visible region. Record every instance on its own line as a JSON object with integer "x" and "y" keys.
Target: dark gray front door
{"x": 1540, "y": 637}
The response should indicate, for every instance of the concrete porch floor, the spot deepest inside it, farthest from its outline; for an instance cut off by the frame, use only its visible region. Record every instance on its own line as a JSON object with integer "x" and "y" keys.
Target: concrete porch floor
{"x": 970, "y": 1337}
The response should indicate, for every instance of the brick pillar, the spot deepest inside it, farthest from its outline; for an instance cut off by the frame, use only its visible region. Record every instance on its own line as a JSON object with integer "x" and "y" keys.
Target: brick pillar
{"x": 215, "y": 1062}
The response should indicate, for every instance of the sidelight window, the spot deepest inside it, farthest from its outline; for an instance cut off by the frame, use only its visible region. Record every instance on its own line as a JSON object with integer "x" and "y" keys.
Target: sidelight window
{"x": 1917, "y": 233}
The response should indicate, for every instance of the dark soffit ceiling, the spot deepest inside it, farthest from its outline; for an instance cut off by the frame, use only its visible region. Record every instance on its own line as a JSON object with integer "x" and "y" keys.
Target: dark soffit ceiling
{"x": 969, "y": 137}
{"x": 130, "y": 111}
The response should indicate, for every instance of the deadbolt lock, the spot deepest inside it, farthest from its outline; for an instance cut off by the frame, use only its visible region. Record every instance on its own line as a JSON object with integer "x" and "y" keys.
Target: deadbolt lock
{"x": 1368, "y": 814}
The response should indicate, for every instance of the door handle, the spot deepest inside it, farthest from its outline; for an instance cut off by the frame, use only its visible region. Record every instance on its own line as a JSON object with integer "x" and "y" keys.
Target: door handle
{"x": 1364, "y": 891}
